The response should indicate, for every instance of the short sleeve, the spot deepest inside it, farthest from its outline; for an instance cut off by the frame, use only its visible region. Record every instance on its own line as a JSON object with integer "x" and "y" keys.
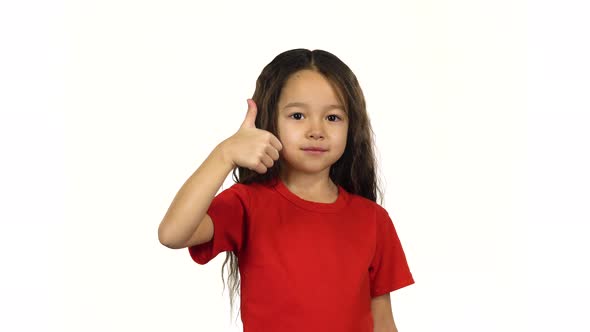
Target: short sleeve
{"x": 228, "y": 211}
{"x": 389, "y": 268}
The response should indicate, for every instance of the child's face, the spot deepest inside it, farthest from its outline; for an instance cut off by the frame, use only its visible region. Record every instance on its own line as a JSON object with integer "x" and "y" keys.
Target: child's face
{"x": 311, "y": 123}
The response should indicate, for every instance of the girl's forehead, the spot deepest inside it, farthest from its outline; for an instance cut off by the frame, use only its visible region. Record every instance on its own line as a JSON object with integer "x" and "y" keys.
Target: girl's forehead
{"x": 309, "y": 92}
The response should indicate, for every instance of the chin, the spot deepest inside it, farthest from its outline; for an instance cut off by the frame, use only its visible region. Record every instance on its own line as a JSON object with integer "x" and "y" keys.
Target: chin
{"x": 310, "y": 167}
{"x": 307, "y": 164}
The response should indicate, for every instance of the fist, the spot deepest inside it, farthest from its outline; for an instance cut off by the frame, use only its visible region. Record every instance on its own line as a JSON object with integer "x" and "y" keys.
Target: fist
{"x": 250, "y": 147}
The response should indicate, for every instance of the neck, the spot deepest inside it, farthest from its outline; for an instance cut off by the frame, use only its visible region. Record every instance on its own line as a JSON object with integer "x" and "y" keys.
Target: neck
{"x": 313, "y": 184}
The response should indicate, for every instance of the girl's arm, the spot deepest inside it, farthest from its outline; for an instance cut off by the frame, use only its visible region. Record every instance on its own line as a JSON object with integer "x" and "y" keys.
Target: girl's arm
{"x": 249, "y": 147}
{"x": 382, "y": 314}
{"x": 190, "y": 204}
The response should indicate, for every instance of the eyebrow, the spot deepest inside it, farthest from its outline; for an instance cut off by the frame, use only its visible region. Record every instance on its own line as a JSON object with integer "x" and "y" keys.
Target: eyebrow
{"x": 304, "y": 105}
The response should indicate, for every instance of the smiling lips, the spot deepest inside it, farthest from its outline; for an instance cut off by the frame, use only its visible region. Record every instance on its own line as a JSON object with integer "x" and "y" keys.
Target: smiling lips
{"x": 314, "y": 149}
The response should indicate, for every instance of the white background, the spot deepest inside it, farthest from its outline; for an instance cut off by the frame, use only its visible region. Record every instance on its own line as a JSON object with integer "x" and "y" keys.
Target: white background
{"x": 480, "y": 110}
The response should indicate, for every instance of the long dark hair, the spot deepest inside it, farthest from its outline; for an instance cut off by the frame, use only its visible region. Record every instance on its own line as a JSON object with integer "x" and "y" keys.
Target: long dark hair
{"x": 356, "y": 169}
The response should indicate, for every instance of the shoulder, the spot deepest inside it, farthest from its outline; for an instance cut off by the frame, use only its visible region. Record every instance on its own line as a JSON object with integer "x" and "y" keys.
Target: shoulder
{"x": 247, "y": 191}
{"x": 237, "y": 192}
{"x": 360, "y": 202}
{"x": 250, "y": 188}
{"x": 378, "y": 214}
{"x": 239, "y": 188}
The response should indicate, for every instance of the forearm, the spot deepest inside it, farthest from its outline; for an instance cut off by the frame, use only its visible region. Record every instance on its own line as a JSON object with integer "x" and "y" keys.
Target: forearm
{"x": 190, "y": 204}
{"x": 384, "y": 324}
{"x": 384, "y": 328}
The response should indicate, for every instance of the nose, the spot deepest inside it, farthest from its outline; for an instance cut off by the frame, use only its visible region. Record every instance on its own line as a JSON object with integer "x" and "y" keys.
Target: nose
{"x": 316, "y": 131}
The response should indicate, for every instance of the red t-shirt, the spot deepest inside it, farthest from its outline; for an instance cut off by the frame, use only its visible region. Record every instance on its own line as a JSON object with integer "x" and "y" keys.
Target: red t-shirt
{"x": 305, "y": 266}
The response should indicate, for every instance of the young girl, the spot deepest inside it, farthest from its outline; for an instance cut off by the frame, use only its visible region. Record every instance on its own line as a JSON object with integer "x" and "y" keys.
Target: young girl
{"x": 315, "y": 250}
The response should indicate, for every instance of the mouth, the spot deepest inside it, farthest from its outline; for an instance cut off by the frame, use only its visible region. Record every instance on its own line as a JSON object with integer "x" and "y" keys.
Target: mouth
{"x": 314, "y": 150}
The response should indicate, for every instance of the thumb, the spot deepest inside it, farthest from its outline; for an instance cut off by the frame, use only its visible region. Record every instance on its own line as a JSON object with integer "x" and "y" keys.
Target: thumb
{"x": 250, "y": 115}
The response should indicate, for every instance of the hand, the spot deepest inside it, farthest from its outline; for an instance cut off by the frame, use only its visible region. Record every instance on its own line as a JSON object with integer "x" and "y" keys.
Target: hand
{"x": 250, "y": 147}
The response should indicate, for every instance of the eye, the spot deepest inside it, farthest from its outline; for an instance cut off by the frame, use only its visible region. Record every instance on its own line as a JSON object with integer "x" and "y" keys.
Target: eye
{"x": 331, "y": 117}
{"x": 294, "y": 114}
{"x": 334, "y": 116}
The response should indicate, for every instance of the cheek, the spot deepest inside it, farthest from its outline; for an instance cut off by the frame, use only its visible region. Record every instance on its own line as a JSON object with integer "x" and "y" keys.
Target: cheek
{"x": 286, "y": 135}
{"x": 342, "y": 135}
{"x": 282, "y": 132}
{"x": 289, "y": 142}
{"x": 342, "y": 142}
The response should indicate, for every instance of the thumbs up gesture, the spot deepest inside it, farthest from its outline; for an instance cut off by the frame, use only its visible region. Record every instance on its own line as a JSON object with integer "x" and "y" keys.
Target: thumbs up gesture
{"x": 250, "y": 147}
{"x": 249, "y": 121}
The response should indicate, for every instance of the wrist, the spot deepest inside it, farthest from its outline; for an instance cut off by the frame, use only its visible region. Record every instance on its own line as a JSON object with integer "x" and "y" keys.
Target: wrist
{"x": 224, "y": 153}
